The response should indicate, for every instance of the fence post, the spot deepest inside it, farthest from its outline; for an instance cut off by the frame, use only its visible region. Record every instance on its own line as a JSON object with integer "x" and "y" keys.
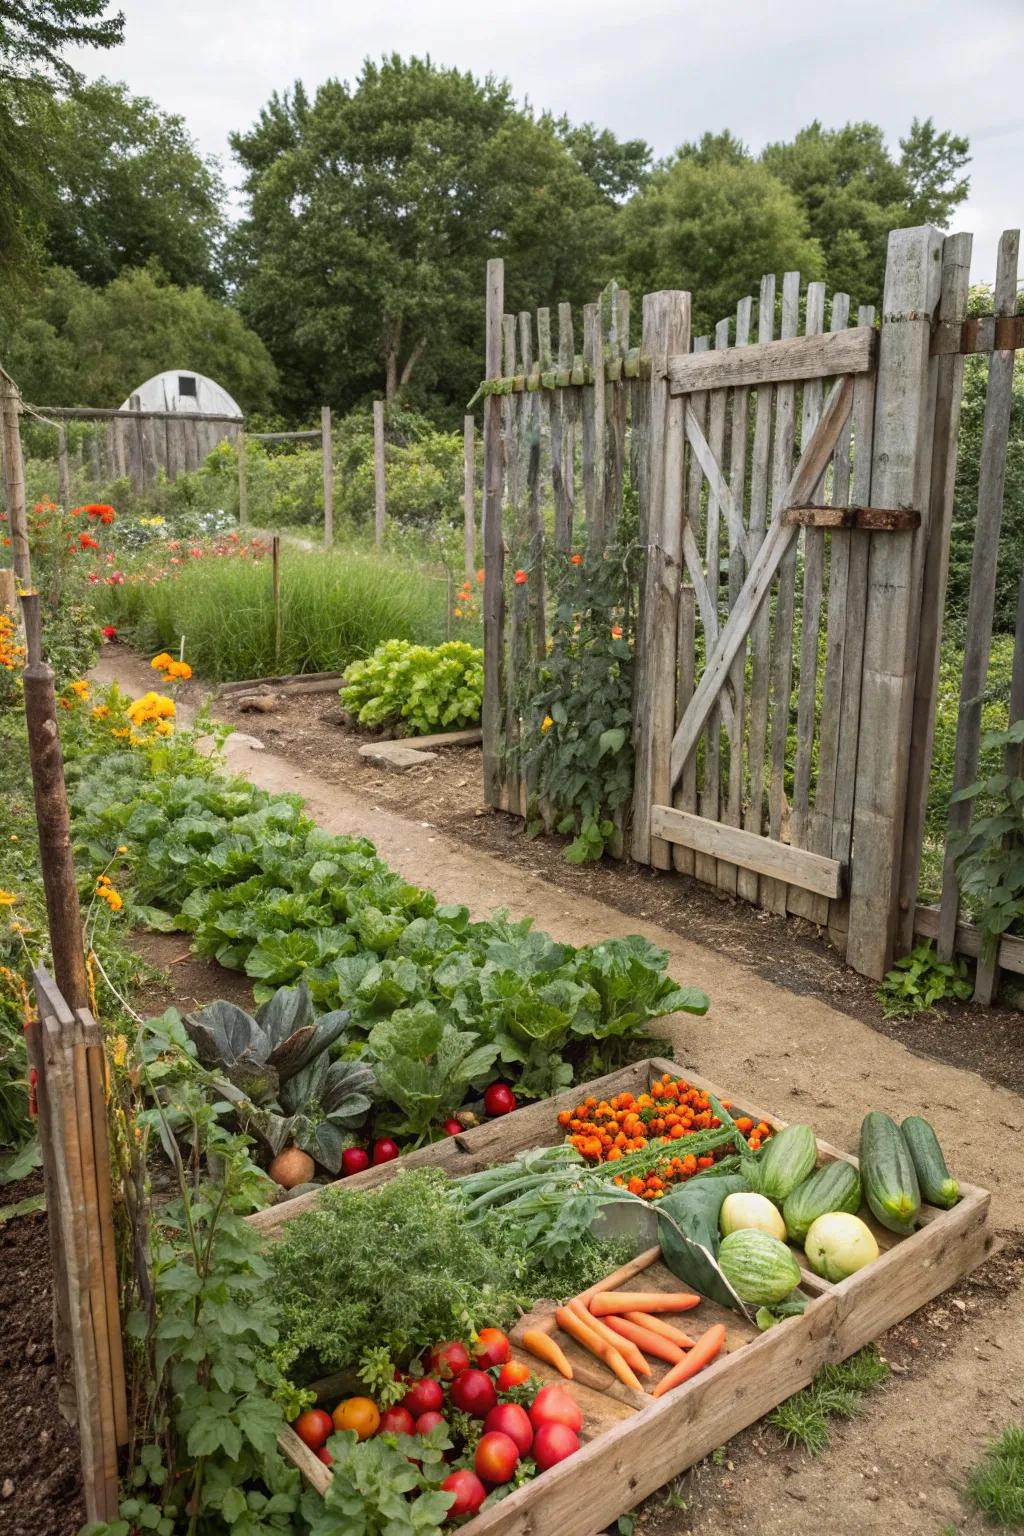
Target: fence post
{"x": 328, "y": 454}
{"x": 469, "y": 493}
{"x": 63, "y": 469}
{"x": 379, "y": 504}
{"x": 666, "y": 331}
{"x": 275, "y": 577}
{"x": 14, "y": 474}
{"x": 243, "y": 490}
{"x": 494, "y": 549}
{"x": 949, "y": 371}
{"x": 900, "y": 476}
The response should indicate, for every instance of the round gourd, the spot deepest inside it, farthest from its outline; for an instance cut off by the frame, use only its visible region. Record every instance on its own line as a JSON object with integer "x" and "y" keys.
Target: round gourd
{"x": 836, "y": 1187}
{"x": 742, "y": 1212}
{"x": 760, "y": 1268}
{"x": 291, "y": 1167}
{"x": 839, "y": 1244}
{"x": 786, "y": 1161}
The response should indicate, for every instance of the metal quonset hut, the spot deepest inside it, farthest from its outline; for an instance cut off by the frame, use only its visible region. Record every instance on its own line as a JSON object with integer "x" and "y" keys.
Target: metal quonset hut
{"x": 176, "y": 389}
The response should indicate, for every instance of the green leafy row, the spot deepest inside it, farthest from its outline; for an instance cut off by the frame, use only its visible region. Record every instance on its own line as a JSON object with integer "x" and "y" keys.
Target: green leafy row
{"x": 420, "y": 687}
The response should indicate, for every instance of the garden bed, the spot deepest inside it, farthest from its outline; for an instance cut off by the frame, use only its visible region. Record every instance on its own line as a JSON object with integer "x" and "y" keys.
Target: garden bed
{"x": 633, "y": 1449}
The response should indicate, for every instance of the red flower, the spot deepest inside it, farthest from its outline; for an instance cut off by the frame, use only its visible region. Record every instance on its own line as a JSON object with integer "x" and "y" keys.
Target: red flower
{"x": 575, "y": 559}
{"x": 520, "y": 578}
{"x": 86, "y": 541}
{"x": 101, "y": 511}
{"x": 616, "y": 631}
{"x": 109, "y": 631}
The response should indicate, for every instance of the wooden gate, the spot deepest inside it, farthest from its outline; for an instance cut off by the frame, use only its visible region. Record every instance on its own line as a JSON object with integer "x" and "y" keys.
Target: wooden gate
{"x": 755, "y": 536}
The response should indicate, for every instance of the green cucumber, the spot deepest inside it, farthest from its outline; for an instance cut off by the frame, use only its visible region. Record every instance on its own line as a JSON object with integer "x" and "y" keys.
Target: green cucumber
{"x": 938, "y": 1186}
{"x": 836, "y": 1187}
{"x": 887, "y": 1173}
{"x": 785, "y": 1161}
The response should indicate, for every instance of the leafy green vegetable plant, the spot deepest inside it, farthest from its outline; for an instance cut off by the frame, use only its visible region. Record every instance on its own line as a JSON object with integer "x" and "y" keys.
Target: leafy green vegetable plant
{"x": 386, "y": 1486}
{"x": 989, "y": 854}
{"x": 920, "y": 980}
{"x": 418, "y": 687}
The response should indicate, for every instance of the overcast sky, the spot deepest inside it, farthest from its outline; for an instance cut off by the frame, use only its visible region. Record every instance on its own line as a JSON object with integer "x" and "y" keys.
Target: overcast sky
{"x": 662, "y": 70}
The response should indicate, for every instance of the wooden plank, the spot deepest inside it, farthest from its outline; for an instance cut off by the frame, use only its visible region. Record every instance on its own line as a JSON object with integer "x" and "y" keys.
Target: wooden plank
{"x": 773, "y": 896}
{"x": 981, "y": 602}
{"x": 104, "y": 1220}
{"x": 327, "y": 451}
{"x": 740, "y": 550}
{"x": 615, "y": 341}
{"x": 469, "y": 496}
{"x": 48, "y": 1000}
{"x": 666, "y": 328}
{"x": 762, "y": 570}
{"x": 809, "y": 871}
{"x": 709, "y": 799}
{"x": 379, "y": 488}
{"x": 814, "y": 575}
{"x": 949, "y": 372}
{"x": 563, "y": 441}
{"x": 14, "y": 480}
{"x": 243, "y": 493}
{"x": 530, "y": 449}
{"x": 776, "y": 362}
{"x": 980, "y": 333}
{"x": 872, "y": 519}
{"x": 685, "y": 796}
{"x": 900, "y": 476}
{"x": 968, "y": 940}
{"x": 593, "y": 408}
{"x": 494, "y": 546}
{"x": 747, "y": 883}
{"x": 63, "y": 470}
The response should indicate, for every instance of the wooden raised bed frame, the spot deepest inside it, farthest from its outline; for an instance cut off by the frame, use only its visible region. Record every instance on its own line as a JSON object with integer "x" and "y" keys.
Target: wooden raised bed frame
{"x": 633, "y": 1448}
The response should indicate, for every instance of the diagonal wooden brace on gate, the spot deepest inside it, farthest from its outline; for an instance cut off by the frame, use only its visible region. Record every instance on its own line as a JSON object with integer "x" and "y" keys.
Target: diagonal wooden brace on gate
{"x": 813, "y": 463}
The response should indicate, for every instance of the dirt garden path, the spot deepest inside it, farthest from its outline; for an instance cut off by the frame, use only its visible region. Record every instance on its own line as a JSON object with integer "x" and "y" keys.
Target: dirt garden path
{"x": 960, "y": 1362}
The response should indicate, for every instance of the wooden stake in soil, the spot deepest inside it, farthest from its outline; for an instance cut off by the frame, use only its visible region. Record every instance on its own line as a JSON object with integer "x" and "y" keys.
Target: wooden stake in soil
{"x": 275, "y": 558}
{"x": 58, "y": 866}
{"x": 243, "y": 495}
{"x": 494, "y": 549}
{"x": 379, "y": 502}
{"x": 14, "y": 475}
{"x": 63, "y": 470}
{"x": 328, "y": 455}
{"x": 469, "y": 493}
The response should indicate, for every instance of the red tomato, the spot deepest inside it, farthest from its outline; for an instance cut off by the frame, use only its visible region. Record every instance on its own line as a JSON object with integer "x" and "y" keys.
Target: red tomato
{"x": 554, "y": 1405}
{"x": 509, "y": 1419}
{"x": 452, "y": 1127}
{"x": 491, "y": 1348}
{"x": 469, "y": 1492}
{"x": 512, "y": 1375}
{"x": 496, "y": 1458}
{"x": 447, "y": 1361}
{"x": 474, "y": 1393}
{"x": 324, "y": 1455}
{"x": 385, "y": 1151}
{"x": 396, "y": 1421}
{"x": 499, "y": 1099}
{"x": 425, "y": 1395}
{"x": 354, "y": 1160}
{"x": 313, "y": 1427}
{"x": 428, "y": 1421}
{"x": 553, "y": 1443}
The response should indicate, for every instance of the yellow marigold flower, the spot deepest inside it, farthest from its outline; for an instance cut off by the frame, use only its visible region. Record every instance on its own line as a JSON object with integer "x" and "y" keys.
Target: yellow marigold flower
{"x": 121, "y": 731}
{"x": 123, "y": 848}
{"x": 119, "y": 1050}
{"x": 180, "y": 670}
{"x": 100, "y": 712}
{"x": 164, "y": 728}
{"x": 7, "y": 898}
{"x": 161, "y": 662}
{"x": 546, "y": 723}
{"x": 80, "y": 689}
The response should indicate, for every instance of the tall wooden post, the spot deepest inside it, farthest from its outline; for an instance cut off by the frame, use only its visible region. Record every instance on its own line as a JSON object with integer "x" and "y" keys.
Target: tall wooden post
{"x": 275, "y": 560}
{"x": 63, "y": 470}
{"x": 469, "y": 493}
{"x": 494, "y": 547}
{"x": 243, "y": 490}
{"x": 379, "y": 504}
{"x": 14, "y": 476}
{"x": 900, "y": 477}
{"x": 328, "y": 456}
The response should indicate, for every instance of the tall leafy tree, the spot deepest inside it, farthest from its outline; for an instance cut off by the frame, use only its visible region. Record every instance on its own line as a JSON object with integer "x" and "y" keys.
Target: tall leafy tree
{"x": 712, "y": 220}
{"x": 372, "y": 211}
{"x": 129, "y": 185}
{"x": 853, "y": 191}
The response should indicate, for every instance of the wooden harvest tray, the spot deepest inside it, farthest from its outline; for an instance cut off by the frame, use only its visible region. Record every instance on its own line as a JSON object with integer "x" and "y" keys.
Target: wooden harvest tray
{"x": 633, "y": 1447}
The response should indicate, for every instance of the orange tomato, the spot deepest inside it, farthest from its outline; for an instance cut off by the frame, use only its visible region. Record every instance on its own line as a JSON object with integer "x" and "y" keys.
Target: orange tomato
{"x": 512, "y": 1374}
{"x": 358, "y": 1413}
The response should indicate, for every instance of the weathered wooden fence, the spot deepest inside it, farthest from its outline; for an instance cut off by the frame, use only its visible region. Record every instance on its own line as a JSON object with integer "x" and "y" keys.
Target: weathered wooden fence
{"x": 139, "y": 444}
{"x": 794, "y": 478}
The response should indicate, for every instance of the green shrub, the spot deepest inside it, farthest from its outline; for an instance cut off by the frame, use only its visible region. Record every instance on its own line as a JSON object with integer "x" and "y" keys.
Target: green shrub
{"x": 424, "y": 688}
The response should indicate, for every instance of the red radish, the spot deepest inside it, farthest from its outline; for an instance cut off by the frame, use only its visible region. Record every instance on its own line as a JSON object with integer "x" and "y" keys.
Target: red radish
{"x": 512, "y": 1375}
{"x": 497, "y": 1457}
{"x": 553, "y": 1443}
{"x": 491, "y": 1348}
{"x": 499, "y": 1099}
{"x": 396, "y": 1421}
{"x": 385, "y": 1151}
{"x": 452, "y": 1127}
{"x": 554, "y": 1405}
{"x": 446, "y": 1361}
{"x": 474, "y": 1393}
{"x": 428, "y": 1421}
{"x": 313, "y": 1427}
{"x": 354, "y": 1160}
{"x": 509, "y": 1419}
{"x": 425, "y": 1395}
{"x": 469, "y": 1492}
{"x": 324, "y": 1455}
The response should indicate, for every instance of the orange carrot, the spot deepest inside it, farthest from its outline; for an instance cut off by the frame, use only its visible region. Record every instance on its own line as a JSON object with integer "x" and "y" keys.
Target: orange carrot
{"x": 659, "y": 1326}
{"x": 585, "y": 1335}
{"x": 545, "y": 1348}
{"x": 628, "y": 1350}
{"x": 653, "y": 1343}
{"x": 606, "y": 1302}
{"x": 703, "y": 1352}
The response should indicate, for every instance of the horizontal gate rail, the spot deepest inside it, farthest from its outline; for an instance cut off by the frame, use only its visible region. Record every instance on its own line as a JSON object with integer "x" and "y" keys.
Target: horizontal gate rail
{"x": 775, "y": 362}
{"x": 809, "y": 871}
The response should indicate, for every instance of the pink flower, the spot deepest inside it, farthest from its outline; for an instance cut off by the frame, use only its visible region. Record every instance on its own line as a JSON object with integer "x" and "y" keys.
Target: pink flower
{"x": 116, "y": 579}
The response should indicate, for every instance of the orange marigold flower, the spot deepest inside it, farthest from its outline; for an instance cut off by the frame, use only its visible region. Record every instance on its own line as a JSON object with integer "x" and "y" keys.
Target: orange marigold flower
{"x": 616, "y": 631}
{"x": 575, "y": 559}
{"x": 520, "y": 578}
{"x": 480, "y": 575}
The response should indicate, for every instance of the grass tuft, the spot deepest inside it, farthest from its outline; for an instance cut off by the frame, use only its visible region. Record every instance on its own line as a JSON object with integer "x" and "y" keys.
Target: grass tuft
{"x": 996, "y": 1484}
{"x": 836, "y": 1392}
